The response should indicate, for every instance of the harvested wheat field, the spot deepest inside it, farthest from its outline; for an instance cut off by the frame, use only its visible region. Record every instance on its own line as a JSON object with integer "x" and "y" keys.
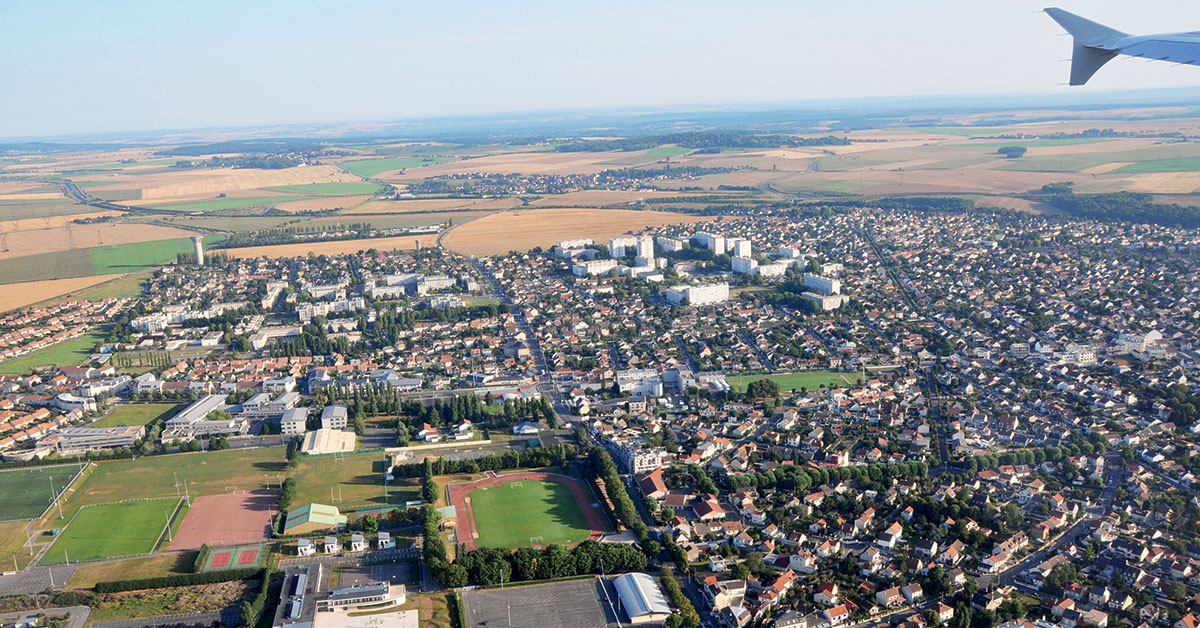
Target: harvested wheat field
{"x": 16, "y": 295}
{"x": 435, "y": 205}
{"x": 204, "y": 183}
{"x": 339, "y": 247}
{"x": 603, "y": 198}
{"x": 31, "y": 196}
{"x": 525, "y": 229}
{"x": 322, "y": 204}
{"x": 22, "y": 243}
{"x": 50, "y": 222}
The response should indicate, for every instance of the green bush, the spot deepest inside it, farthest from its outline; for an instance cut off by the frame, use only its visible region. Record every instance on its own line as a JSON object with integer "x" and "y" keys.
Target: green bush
{"x": 181, "y": 580}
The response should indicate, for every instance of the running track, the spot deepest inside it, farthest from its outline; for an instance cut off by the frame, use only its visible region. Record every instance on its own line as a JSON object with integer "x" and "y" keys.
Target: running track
{"x": 466, "y": 518}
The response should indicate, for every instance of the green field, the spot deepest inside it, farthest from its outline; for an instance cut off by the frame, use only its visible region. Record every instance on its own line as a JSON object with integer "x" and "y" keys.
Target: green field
{"x": 1179, "y": 164}
{"x": 40, "y": 208}
{"x": 127, "y": 258}
{"x": 511, "y": 515}
{"x": 25, "y": 493}
{"x": 372, "y": 167}
{"x": 69, "y": 353}
{"x": 112, "y": 530}
{"x": 129, "y": 286}
{"x": 811, "y": 380}
{"x": 349, "y": 188}
{"x": 136, "y": 414}
{"x": 206, "y": 473}
{"x": 42, "y": 266}
{"x": 218, "y": 204}
{"x": 356, "y": 481}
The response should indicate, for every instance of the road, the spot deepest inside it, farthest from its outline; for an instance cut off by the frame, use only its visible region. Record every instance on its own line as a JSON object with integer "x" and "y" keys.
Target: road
{"x": 227, "y": 616}
{"x": 78, "y": 615}
{"x": 36, "y": 579}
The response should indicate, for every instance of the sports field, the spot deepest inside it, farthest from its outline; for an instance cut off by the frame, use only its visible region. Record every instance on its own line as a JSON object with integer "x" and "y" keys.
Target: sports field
{"x": 206, "y": 473}
{"x": 234, "y": 558}
{"x": 136, "y": 414}
{"x": 68, "y": 353}
{"x": 527, "y": 512}
{"x": 811, "y": 380}
{"x": 349, "y": 482}
{"x": 111, "y": 530}
{"x": 345, "y": 188}
{"x": 25, "y": 493}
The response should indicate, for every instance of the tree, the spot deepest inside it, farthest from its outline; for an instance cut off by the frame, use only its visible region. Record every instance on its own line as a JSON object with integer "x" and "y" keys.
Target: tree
{"x": 368, "y": 523}
{"x": 762, "y": 389}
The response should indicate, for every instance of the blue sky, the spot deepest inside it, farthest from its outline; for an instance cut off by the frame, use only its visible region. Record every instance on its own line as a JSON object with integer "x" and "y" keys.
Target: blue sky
{"x": 101, "y": 66}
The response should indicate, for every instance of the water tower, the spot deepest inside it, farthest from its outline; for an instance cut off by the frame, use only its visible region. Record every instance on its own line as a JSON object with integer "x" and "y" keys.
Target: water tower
{"x": 198, "y": 242}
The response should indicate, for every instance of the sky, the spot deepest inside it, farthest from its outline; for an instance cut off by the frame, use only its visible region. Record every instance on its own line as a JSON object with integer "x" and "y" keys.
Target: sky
{"x": 97, "y": 66}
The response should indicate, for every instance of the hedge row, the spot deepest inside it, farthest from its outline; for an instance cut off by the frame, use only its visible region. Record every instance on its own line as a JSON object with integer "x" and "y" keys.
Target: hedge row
{"x": 252, "y": 610}
{"x": 687, "y": 612}
{"x": 181, "y": 580}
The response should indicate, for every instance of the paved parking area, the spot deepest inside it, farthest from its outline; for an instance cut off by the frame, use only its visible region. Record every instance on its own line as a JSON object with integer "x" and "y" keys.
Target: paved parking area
{"x": 394, "y": 573}
{"x": 572, "y": 604}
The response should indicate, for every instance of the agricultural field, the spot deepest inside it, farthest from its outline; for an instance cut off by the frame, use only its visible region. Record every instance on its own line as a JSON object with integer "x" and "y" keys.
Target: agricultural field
{"x": 30, "y": 242}
{"x": 322, "y": 204}
{"x": 220, "y": 204}
{"x": 106, "y": 531}
{"x": 67, "y": 353}
{"x": 18, "y": 295}
{"x": 137, "y": 414}
{"x": 428, "y": 205}
{"x": 125, "y": 258}
{"x": 1180, "y": 164}
{"x": 351, "y": 481}
{"x": 26, "y": 493}
{"x": 368, "y": 168}
{"x": 810, "y": 380}
{"x": 177, "y": 185}
{"x": 207, "y": 473}
{"x": 509, "y": 516}
{"x": 336, "y": 247}
{"x": 348, "y": 188}
{"x": 603, "y": 198}
{"x": 525, "y": 229}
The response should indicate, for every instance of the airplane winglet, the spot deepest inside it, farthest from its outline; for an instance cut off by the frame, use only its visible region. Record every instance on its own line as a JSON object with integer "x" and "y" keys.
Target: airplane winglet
{"x": 1092, "y": 43}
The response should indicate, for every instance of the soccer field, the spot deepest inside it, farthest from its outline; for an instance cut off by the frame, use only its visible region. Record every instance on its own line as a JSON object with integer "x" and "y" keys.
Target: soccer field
{"x": 111, "y": 530}
{"x": 25, "y": 493}
{"x": 516, "y": 513}
{"x": 811, "y": 380}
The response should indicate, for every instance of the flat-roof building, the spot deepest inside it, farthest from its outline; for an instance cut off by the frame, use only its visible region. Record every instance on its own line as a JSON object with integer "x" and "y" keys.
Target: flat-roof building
{"x": 92, "y": 438}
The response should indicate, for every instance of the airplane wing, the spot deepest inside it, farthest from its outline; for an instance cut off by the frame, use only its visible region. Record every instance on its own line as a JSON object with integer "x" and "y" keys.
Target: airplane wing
{"x": 1096, "y": 44}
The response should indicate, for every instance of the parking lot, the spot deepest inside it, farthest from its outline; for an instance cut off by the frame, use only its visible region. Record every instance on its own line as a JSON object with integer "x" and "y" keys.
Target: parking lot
{"x": 394, "y": 573}
{"x": 572, "y": 604}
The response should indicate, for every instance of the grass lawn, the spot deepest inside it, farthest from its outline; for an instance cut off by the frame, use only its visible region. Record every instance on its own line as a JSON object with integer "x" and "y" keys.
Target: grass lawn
{"x": 358, "y": 478}
{"x": 12, "y": 545}
{"x": 125, "y": 258}
{"x": 1180, "y": 164}
{"x": 68, "y": 353}
{"x": 206, "y": 473}
{"x": 87, "y": 576}
{"x": 348, "y": 188}
{"x": 25, "y": 493}
{"x": 372, "y": 167}
{"x": 510, "y": 515}
{"x": 100, "y": 532}
{"x": 128, "y": 286}
{"x": 136, "y": 414}
{"x": 811, "y": 380}
{"x": 218, "y": 204}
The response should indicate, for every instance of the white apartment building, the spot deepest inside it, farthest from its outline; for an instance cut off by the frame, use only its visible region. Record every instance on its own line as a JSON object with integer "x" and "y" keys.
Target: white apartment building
{"x": 593, "y": 267}
{"x": 743, "y": 265}
{"x": 698, "y": 295}
{"x": 824, "y": 285}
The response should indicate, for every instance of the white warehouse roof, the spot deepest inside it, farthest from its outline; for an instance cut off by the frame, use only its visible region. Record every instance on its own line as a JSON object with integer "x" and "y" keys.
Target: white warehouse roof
{"x": 640, "y": 595}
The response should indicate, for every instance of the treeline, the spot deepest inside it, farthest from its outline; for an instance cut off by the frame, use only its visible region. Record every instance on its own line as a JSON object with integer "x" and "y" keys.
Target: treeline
{"x": 797, "y": 478}
{"x": 678, "y": 172}
{"x": 948, "y": 204}
{"x": 264, "y": 162}
{"x": 1121, "y": 207}
{"x": 556, "y": 455}
{"x": 491, "y": 566}
{"x": 290, "y": 234}
{"x": 1081, "y": 135}
{"x": 701, "y": 140}
{"x": 263, "y": 146}
{"x": 178, "y": 580}
{"x": 601, "y": 466}
{"x": 311, "y": 341}
{"x": 1033, "y": 456}
{"x": 470, "y": 408}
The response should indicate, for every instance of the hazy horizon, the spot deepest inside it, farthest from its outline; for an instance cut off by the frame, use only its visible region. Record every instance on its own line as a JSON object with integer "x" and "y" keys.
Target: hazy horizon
{"x": 82, "y": 68}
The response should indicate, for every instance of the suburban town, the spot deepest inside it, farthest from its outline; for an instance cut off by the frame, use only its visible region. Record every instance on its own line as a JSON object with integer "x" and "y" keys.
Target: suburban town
{"x": 827, "y": 416}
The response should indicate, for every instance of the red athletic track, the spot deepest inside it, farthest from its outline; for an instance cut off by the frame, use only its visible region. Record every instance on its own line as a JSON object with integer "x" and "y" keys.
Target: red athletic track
{"x": 466, "y": 518}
